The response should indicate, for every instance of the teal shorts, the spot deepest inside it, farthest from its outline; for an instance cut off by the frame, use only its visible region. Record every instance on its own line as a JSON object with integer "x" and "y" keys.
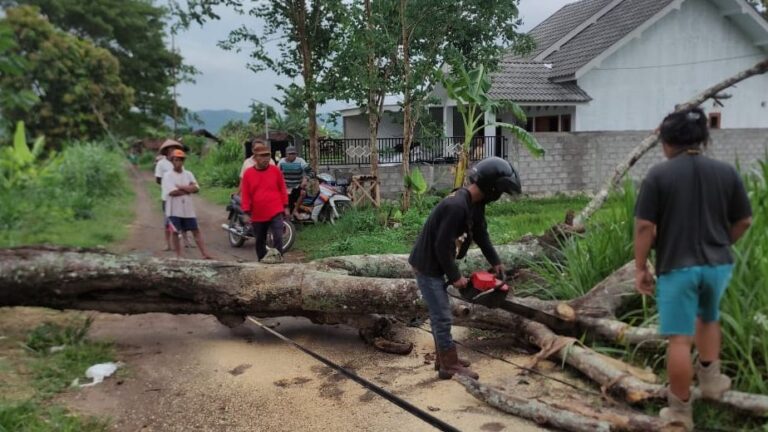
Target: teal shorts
{"x": 684, "y": 294}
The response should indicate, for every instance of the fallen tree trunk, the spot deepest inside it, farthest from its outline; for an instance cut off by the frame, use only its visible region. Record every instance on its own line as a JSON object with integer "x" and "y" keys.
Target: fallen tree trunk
{"x": 394, "y": 266}
{"x": 570, "y": 416}
{"x": 94, "y": 280}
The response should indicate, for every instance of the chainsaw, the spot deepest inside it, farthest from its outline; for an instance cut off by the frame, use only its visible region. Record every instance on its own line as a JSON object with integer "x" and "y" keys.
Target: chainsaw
{"x": 485, "y": 289}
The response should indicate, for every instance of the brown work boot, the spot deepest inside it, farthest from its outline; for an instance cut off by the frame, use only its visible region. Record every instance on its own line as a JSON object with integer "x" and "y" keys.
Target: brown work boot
{"x": 449, "y": 365}
{"x": 678, "y": 412}
{"x": 462, "y": 361}
{"x": 712, "y": 383}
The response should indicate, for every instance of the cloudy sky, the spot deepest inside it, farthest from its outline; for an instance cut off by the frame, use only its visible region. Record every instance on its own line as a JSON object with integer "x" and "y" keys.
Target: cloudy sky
{"x": 226, "y": 83}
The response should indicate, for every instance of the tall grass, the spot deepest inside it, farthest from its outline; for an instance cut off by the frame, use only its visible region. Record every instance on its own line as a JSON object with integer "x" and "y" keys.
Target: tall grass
{"x": 607, "y": 245}
{"x": 587, "y": 259}
{"x": 745, "y": 304}
{"x": 220, "y": 167}
{"x": 79, "y": 196}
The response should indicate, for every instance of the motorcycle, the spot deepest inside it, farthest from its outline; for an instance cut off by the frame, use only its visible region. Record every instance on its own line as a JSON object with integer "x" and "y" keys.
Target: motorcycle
{"x": 238, "y": 232}
{"x": 327, "y": 206}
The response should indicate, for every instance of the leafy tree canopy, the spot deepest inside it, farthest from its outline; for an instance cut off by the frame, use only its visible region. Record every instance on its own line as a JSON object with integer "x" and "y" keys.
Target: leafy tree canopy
{"x": 135, "y": 32}
{"x": 78, "y": 87}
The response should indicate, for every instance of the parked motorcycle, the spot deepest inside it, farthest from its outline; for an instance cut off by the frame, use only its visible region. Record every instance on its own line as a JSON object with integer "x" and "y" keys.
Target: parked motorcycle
{"x": 327, "y": 206}
{"x": 238, "y": 232}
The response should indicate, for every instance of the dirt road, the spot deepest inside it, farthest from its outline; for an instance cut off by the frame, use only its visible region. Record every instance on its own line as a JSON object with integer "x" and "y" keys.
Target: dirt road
{"x": 191, "y": 373}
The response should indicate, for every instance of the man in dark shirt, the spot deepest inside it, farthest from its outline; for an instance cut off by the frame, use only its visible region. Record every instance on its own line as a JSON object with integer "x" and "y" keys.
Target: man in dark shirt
{"x": 691, "y": 209}
{"x": 450, "y": 229}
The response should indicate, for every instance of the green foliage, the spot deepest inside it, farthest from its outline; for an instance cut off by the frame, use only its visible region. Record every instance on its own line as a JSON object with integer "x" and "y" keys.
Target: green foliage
{"x": 588, "y": 259}
{"x": 77, "y": 197}
{"x": 745, "y": 304}
{"x": 134, "y": 32}
{"x": 30, "y": 416}
{"x": 220, "y": 167}
{"x": 17, "y": 162}
{"x": 78, "y": 84}
{"x": 387, "y": 230}
{"x": 12, "y": 64}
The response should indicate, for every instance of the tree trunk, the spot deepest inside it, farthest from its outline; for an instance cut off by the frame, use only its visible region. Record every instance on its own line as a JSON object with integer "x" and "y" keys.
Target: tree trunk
{"x": 374, "y": 104}
{"x": 308, "y": 75}
{"x": 622, "y": 168}
{"x": 407, "y": 102}
{"x": 94, "y": 280}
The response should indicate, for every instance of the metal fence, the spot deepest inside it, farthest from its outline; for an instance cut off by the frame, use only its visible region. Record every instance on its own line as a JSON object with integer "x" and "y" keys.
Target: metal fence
{"x": 357, "y": 151}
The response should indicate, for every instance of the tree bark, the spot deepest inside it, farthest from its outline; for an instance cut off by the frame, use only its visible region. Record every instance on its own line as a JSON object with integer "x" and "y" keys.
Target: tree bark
{"x": 570, "y": 416}
{"x": 648, "y": 143}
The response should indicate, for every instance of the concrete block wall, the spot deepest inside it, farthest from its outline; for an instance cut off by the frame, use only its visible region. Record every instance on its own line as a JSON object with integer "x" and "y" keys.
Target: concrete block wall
{"x": 575, "y": 162}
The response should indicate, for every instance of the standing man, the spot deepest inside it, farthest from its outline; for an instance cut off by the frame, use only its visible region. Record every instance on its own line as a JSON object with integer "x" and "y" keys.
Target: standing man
{"x": 295, "y": 171}
{"x": 691, "y": 209}
{"x": 264, "y": 200}
{"x": 451, "y": 227}
{"x": 162, "y": 166}
{"x": 177, "y": 185}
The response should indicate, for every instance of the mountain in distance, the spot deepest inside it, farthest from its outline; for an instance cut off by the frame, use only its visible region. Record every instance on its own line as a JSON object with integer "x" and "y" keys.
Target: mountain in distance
{"x": 213, "y": 120}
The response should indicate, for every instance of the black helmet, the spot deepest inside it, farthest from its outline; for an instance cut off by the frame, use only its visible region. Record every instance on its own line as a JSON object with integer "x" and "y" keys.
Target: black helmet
{"x": 495, "y": 176}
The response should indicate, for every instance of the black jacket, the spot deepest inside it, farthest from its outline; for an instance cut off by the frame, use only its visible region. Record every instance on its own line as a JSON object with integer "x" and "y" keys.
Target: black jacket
{"x": 451, "y": 227}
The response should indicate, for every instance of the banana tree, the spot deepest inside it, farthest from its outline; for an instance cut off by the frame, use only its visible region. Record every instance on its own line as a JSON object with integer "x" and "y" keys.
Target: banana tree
{"x": 470, "y": 91}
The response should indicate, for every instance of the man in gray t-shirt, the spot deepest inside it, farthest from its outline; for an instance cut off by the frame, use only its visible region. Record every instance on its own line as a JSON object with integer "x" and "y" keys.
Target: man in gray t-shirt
{"x": 691, "y": 209}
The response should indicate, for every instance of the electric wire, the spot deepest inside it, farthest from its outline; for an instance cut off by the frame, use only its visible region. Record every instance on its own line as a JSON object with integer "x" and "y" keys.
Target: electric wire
{"x": 402, "y": 403}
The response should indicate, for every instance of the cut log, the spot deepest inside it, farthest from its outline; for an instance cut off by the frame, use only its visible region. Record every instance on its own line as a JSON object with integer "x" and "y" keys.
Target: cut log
{"x": 570, "y": 416}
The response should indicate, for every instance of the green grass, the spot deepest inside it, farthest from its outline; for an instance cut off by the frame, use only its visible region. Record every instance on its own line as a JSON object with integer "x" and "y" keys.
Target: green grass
{"x": 365, "y": 231}
{"x": 79, "y": 197}
{"x": 108, "y": 224}
{"x": 217, "y": 194}
{"x": 30, "y": 416}
{"x": 48, "y": 372}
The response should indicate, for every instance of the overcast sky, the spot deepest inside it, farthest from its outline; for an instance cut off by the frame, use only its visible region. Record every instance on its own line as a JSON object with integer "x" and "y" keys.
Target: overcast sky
{"x": 225, "y": 82}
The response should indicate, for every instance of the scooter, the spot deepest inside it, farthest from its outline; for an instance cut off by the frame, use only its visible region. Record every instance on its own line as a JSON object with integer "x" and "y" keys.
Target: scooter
{"x": 327, "y": 206}
{"x": 238, "y": 232}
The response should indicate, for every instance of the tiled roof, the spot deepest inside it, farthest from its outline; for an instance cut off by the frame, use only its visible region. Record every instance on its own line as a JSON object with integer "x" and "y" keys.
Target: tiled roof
{"x": 529, "y": 82}
{"x": 609, "y": 29}
{"x": 523, "y": 80}
{"x": 562, "y": 22}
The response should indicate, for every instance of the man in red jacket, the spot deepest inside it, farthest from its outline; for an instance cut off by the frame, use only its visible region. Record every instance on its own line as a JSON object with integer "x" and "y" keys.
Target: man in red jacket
{"x": 264, "y": 200}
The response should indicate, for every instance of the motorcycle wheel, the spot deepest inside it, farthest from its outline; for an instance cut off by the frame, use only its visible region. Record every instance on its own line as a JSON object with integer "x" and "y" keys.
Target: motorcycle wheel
{"x": 234, "y": 239}
{"x": 326, "y": 214}
{"x": 289, "y": 236}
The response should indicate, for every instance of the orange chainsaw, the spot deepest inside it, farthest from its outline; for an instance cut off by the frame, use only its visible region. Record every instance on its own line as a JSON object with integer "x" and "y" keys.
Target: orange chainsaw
{"x": 485, "y": 289}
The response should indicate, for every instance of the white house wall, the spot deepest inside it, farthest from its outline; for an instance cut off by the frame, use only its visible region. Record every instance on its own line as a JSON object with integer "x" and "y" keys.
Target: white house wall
{"x": 630, "y": 92}
{"x": 356, "y": 126}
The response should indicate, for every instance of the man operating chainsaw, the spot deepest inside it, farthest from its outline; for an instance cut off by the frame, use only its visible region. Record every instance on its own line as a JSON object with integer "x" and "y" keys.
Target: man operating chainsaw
{"x": 453, "y": 224}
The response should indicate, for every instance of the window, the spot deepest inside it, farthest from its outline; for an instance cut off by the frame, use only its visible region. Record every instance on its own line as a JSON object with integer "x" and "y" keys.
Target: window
{"x": 565, "y": 123}
{"x": 714, "y": 120}
{"x": 547, "y": 124}
{"x": 529, "y": 124}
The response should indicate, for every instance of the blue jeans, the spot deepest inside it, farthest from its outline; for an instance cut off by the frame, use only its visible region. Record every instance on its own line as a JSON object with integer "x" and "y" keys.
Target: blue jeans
{"x": 684, "y": 294}
{"x": 433, "y": 290}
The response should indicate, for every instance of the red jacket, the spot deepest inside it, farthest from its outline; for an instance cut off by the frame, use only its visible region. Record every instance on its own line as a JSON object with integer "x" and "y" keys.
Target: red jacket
{"x": 263, "y": 193}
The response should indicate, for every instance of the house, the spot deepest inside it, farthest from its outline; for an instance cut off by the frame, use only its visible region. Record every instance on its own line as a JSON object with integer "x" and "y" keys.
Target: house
{"x": 620, "y": 65}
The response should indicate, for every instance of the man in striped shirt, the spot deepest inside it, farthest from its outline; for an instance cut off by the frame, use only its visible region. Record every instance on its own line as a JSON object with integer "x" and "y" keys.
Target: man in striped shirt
{"x": 295, "y": 171}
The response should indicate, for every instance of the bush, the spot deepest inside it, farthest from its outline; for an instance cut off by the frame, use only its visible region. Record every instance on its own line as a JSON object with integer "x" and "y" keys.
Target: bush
{"x": 220, "y": 167}
{"x": 82, "y": 175}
